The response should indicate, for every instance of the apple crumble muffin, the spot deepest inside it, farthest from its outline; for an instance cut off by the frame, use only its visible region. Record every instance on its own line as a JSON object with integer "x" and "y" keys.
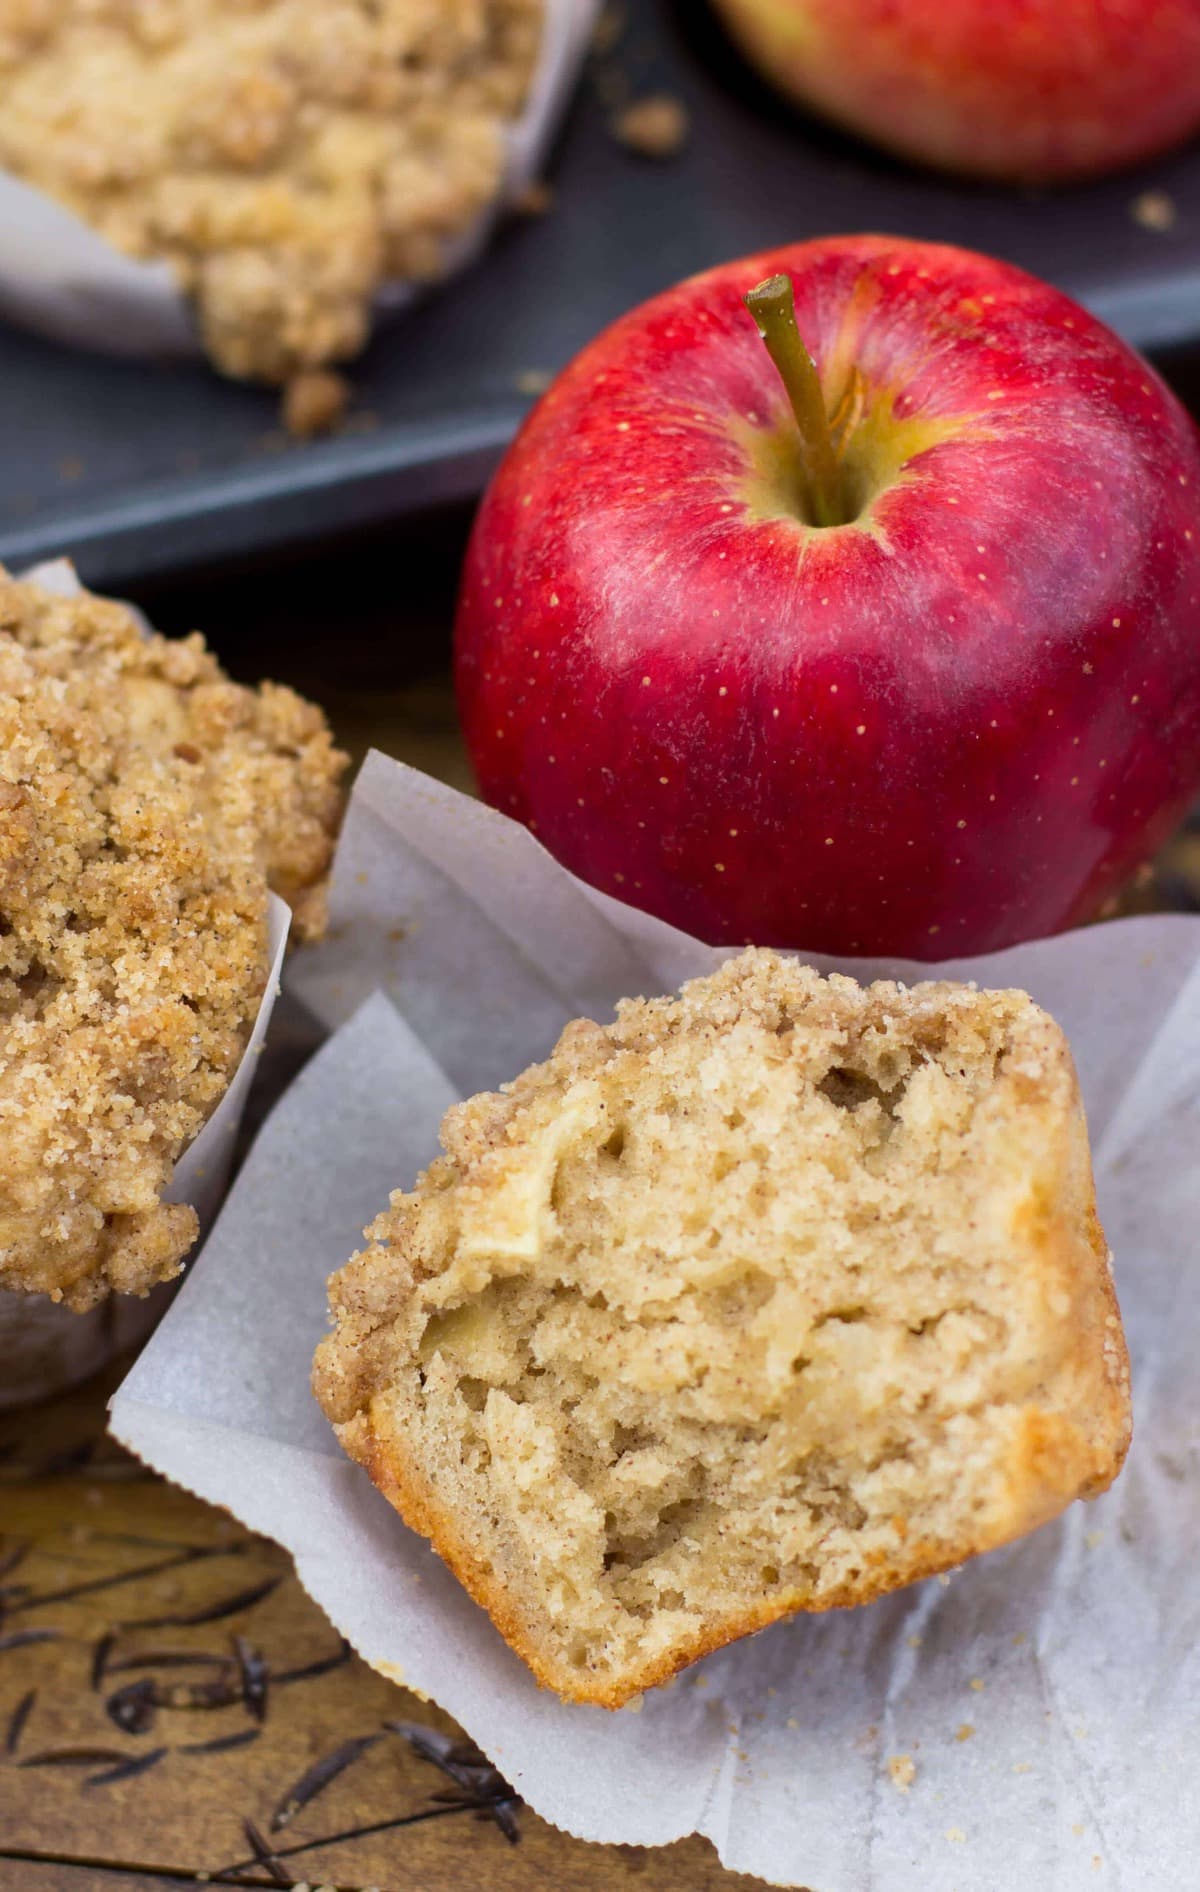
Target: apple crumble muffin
{"x": 146, "y": 806}
{"x": 286, "y": 157}
{"x": 771, "y": 1297}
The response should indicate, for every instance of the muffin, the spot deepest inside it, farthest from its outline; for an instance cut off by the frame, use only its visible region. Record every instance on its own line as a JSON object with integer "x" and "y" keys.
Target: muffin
{"x": 285, "y": 158}
{"x": 147, "y": 805}
{"x": 771, "y": 1297}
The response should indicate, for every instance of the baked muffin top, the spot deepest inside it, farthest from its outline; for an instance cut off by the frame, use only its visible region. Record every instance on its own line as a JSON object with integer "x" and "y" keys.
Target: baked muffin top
{"x": 147, "y": 804}
{"x": 285, "y": 156}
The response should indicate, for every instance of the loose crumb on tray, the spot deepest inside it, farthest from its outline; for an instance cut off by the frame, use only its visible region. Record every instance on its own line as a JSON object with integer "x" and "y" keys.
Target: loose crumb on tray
{"x": 1156, "y": 211}
{"x": 147, "y": 804}
{"x": 315, "y": 402}
{"x": 285, "y": 157}
{"x": 654, "y": 127}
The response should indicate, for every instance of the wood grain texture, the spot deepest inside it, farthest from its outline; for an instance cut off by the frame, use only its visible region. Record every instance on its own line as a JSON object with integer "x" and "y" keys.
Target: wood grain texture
{"x": 104, "y": 1564}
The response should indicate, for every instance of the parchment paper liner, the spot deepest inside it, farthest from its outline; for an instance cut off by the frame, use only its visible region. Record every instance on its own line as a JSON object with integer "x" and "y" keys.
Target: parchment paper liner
{"x": 1049, "y": 1695}
{"x": 60, "y": 277}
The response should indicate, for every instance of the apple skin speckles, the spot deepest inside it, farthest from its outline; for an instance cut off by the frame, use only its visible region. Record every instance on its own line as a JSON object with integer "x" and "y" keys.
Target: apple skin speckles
{"x": 857, "y": 681}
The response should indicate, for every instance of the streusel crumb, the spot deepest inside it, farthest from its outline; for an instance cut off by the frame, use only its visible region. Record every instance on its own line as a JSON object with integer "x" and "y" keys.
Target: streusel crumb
{"x": 285, "y": 156}
{"x": 146, "y": 805}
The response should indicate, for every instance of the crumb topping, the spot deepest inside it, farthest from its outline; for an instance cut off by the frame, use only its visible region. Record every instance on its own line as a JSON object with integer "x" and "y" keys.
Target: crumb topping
{"x": 284, "y": 156}
{"x": 146, "y": 805}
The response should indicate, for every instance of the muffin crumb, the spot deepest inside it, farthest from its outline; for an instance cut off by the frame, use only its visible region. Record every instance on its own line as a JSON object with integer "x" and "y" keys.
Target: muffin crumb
{"x": 1156, "y": 211}
{"x": 902, "y": 1770}
{"x": 315, "y": 403}
{"x": 655, "y": 127}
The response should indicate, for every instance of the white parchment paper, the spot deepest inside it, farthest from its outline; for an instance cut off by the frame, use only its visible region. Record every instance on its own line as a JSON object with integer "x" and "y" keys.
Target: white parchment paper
{"x": 59, "y": 276}
{"x": 1048, "y": 1695}
{"x": 45, "y": 1347}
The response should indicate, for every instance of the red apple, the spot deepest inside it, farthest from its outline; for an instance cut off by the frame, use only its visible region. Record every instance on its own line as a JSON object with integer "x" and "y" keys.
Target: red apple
{"x": 1040, "y": 90}
{"x": 955, "y": 718}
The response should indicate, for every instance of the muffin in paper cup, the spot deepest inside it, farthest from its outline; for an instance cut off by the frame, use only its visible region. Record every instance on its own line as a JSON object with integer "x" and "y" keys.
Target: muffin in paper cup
{"x": 63, "y": 277}
{"x": 152, "y": 814}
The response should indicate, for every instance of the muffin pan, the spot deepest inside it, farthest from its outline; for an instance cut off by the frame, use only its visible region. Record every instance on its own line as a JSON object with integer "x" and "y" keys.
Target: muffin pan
{"x": 142, "y": 469}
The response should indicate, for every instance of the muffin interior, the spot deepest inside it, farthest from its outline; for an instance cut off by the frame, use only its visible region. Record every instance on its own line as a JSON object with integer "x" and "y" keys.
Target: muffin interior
{"x": 768, "y": 1300}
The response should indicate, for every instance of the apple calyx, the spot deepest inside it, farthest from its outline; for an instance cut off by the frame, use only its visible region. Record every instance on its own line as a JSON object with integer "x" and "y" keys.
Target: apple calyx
{"x": 773, "y": 307}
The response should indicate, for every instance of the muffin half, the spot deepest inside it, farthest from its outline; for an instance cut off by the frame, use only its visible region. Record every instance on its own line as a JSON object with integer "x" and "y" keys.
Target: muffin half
{"x": 772, "y": 1297}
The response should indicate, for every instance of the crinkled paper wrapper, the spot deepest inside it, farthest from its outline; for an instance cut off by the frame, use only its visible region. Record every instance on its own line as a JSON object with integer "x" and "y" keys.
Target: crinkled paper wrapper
{"x": 44, "y": 1347}
{"x": 59, "y": 276}
{"x": 1047, "y": 1695}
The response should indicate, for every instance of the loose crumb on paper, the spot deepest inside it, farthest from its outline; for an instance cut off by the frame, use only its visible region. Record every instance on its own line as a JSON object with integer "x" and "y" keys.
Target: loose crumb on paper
{"x": 902, "y": 1770}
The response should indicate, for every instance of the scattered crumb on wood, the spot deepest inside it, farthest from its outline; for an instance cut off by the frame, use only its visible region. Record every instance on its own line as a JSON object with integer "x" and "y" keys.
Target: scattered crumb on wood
{"x": 533, "y": 381}
{"x": 314, "y": 402}
{"x": 903, "y": 1771}
{"x": 536, "y": 200}
{"x": 1154, "y": 210}
{"x": 653, "y": 127}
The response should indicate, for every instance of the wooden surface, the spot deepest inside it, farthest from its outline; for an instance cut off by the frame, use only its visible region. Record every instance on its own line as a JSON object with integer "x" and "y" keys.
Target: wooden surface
{"x": 127, "y": 1603}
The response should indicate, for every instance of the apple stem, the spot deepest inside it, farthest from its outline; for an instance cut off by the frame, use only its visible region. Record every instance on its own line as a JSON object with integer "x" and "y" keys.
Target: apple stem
{"x": 773, "y": 306}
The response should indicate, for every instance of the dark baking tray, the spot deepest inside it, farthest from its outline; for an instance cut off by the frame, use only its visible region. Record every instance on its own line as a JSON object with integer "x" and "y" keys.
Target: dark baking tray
{"x": 139, "y": 471}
